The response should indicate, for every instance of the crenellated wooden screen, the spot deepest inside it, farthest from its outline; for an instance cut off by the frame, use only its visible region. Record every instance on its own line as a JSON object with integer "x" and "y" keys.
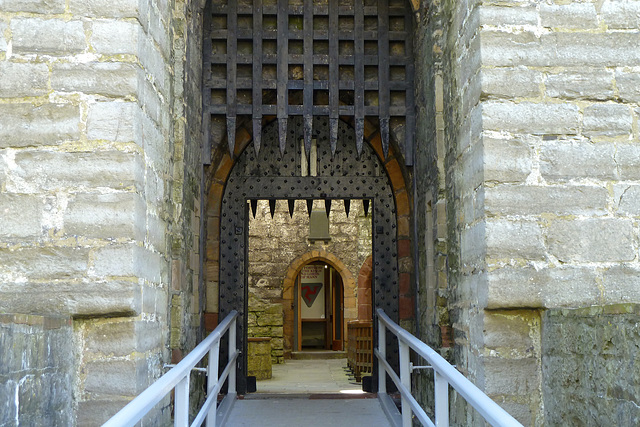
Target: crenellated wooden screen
{"x": 333, "y": 58}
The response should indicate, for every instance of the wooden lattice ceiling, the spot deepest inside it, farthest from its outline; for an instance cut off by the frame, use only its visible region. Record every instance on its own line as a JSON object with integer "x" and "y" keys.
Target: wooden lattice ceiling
{"x": 334, "y": 58}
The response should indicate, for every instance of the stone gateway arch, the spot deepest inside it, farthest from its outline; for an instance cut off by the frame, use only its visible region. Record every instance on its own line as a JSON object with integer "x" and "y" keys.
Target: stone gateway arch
{"x": 503, "y": 137}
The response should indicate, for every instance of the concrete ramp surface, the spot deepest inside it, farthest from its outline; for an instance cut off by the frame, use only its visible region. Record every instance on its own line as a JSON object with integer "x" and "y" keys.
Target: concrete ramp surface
{"x": 292, "y": 412}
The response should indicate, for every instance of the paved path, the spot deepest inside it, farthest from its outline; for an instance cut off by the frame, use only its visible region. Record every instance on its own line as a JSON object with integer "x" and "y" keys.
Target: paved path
{"x": 310, "y": 377}
{"x": 308, "y": 393}
{"x": 292, "y": 412}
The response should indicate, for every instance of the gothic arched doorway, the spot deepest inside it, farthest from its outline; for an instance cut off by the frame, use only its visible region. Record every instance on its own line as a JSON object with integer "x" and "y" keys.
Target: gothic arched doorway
{"x": 324, "y": 91}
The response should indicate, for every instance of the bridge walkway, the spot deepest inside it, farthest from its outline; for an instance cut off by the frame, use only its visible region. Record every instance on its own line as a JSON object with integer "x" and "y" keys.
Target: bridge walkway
{"x": 317, "y": 392}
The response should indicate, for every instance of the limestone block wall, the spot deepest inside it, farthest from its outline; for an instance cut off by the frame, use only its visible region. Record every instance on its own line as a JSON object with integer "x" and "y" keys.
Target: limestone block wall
{"x": 560, "y": 138}
{"x": 590, "y": 367}
{"x": 94, "y": 203}
{"x": 432, "y": 317}
{"x": 540, "y": 130}
{"x": 36, "y": 370}
{"x": 561, "y": 147}
{"x": 449, "y": 218}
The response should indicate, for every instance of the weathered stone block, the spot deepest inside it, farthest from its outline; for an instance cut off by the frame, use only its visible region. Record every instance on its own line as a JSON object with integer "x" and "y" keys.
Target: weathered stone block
{"x": 3, "y": 41}
{"x": 8, "y": 408}
{"x": 473, "y": 245}
{"x": 115, "y": 37}
{"x": 575, "y": 49}
{"x": 514, "y": 239}
{"x": 607, "y": 120}
{"x": 510, "y": 287}
{"x": 21, "y": 216}
{"x": 123, "y": 337}
{"x": 49, "y": 124}
{"x": 259, "y": 358}
{"x": 591, "y": 240}
{"x": 33, "y": 6}
{"x": 509, "y": 333}
{"x": 531, "y": 118}
{"x": 157, "y": 232}
{"x": 153, "y": 62}
{"x": 113, "y": 121}
{"x": 151, "y": 265}
{"x": 115, "y": 260}
{"x": 470, "y": 167}
{"x": 564, "y": 161}
{"x": 511, "y": 82}
{"x": 627, "y": 159}
{"x": 621, "y": 14}
{"x": 507, "y": 160}
{"x": 154, "y": 105}
{"x": 62, "y": 37}
{"x": 628, "y": 84}
{"x": 154, "y": 188}
{"x": 514, "y": 377}
{"x": 99, "y": 8}
{"x": 23, "y": 79}
{"x": 595, "y": 49}
{"x": 116, "y": 377}
{"x": 508, "y": 16}
{"x": 569, "y": 16}
{"x": 43, "y": 263}
{"x": 36, "y": 371}
{"x": 103, "y": 78}
{"x": 506, "y": 49}
{"x": 47, "y": 170}
{"x": 95, "y": 298}
{"x": 586, "y": 84}
{"x": 129, "y": 260}
{"x": 266, "y": 319}
{"x": 628, "y": 198}
{"x": 584, "y": 376}
{"x": 106, "y": 216}
{"x": 98, "y": 412}
{"x": 621, "y": 285}
{"x": 536, "y": 200}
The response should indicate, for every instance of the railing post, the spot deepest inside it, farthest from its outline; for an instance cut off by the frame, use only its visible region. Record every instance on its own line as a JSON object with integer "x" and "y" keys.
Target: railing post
{"x": 232, "y": 350}
{"x": 382, "y": 350}
{"x": 181, "y": 411}
{"x": 441, "y": 387}
{"x": 212, "y": 380}
{"x": 405, "y": 380}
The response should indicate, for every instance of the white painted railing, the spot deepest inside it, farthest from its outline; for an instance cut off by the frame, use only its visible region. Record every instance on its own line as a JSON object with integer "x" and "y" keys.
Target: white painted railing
{"x": 444, "y": 374}
{"x": 178, "y": 378}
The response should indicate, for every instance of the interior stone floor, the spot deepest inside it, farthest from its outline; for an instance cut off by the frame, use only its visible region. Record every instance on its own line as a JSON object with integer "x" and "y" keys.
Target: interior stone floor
{"x": 330, "y": 376}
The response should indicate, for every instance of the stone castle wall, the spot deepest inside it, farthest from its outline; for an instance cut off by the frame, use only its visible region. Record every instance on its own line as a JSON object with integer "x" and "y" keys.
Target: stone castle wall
{"x": 99, "y": 187}
{"x": 590, "y": 365}
{"x": 37, "y": 370}
{"x": 539, "y": 137}
{"x": 527, "y": 195}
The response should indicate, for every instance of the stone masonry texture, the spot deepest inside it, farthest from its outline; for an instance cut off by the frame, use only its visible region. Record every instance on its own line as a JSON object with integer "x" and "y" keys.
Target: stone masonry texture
{"x": 36, "y": 370}
{"x": 99, "y": 197}
{"x": 590, "y": 365}
{"x": 530, "y": 127}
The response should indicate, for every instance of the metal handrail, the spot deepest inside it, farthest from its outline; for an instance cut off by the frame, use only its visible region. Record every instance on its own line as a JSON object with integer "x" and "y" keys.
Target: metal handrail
{"x": 445, "y": 375}
{"x": 178, "y": 378}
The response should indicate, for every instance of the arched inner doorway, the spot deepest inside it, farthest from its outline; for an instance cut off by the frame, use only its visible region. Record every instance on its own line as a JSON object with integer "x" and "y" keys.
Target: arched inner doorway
{"x": 319, "y": 308}
{"x": 273, "y": 175}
